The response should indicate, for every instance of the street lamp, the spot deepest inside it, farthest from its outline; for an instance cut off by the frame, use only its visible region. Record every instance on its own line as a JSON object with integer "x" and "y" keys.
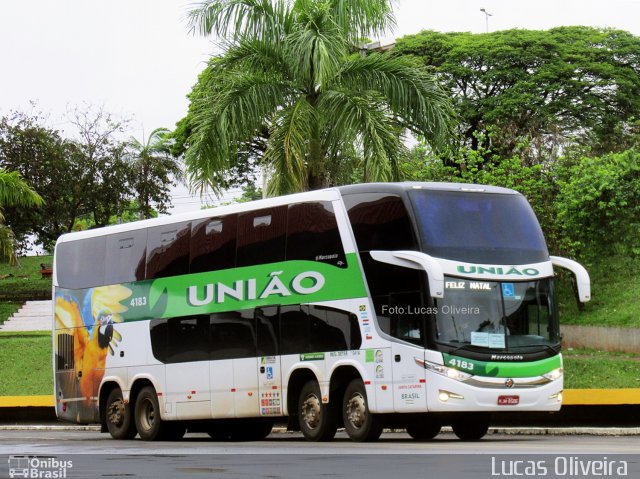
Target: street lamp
{"x": 486, "y": 17}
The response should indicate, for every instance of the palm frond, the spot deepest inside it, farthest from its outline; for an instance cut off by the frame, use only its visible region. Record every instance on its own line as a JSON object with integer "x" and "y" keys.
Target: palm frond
{"x": 413, "y": 95}
{"x": 364, "y": 116}
{"x": 235, "y": 19}
{"x": 14, "y": 191}
{"x": 256, "y": 55}
{"x": 315, "y": 54}
{"x": 234, "y": 113}
{"x": 288, "y": 147}
{"x": 7, "y": 245}
{"x": 362, "y": 19}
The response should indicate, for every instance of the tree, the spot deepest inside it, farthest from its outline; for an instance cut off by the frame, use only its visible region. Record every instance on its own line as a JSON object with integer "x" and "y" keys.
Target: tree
{"x": 85, "y": 178}
{"x": 536, "y": 92}
{"x": 292, "y": 93}
{"x": 15, "y": 192}
{"x": 153, "y": 170}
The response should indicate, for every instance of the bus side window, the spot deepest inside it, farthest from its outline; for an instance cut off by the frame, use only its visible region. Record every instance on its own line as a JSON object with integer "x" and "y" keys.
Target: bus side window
{"x": 126, "y": 257}
{"x": 159, "y": 333}
{"x": 168, "y": 250}
{"x": 187, "y": 339}
{"x": 213, "y": 244}
{"x": 81, "y": 264}
{"x": 312, "y": 234}
{"x": 232, "y": 335}
{"x": 294, "y": 329}
{"x": 261, "y": 236}
{"x": 268, "y": 330}
{"x": 406, "y": 316}
{"x": 380, "y": 221}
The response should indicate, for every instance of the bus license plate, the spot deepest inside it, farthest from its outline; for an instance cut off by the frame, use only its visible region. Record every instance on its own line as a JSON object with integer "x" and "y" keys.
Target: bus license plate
{"x": 508, "y": 400}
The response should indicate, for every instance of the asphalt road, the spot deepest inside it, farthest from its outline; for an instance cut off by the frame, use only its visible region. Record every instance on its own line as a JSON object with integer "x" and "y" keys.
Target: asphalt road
{"x": 288, "y": 455}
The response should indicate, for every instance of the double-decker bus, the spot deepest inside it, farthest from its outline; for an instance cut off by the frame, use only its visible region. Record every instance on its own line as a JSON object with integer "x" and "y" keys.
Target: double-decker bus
{"x": 412, "y": 305}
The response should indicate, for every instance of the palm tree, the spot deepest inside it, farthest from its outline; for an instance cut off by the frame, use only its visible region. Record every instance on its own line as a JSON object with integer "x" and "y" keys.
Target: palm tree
{"x": 292, "y": 87}
{"x": 153, "y": 170}
{"x": 14, "y": 192}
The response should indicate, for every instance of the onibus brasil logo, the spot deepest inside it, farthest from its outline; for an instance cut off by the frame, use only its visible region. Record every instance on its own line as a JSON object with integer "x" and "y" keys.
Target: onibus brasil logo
{"x": 38, "y": 467}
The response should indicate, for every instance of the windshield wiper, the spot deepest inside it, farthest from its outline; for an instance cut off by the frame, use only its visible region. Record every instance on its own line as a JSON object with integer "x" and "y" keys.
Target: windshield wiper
{"x": 536, "y": 346}
{"x": 467, "y": 347}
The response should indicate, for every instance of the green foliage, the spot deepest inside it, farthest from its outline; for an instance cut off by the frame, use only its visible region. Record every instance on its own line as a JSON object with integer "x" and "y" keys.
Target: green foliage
{"x": 615, "y": 283}
{"x": 152, "y": 172}
{"x": 91, "y": 179}
{"x": 599, "y": 204}
{"x": 587, "y": 369}
{"x": 292, "y": 94}
{"x": 14, "y": 192}
{"x": 25, "y": 364}
{"x": 548, "y": 89}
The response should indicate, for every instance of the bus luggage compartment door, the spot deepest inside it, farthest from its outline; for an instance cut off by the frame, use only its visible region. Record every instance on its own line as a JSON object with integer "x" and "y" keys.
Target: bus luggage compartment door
{"x": 409, "y": 391}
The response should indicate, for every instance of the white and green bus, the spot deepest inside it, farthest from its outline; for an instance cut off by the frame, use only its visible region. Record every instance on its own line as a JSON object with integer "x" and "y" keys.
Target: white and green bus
{"x": 412, "y": 305}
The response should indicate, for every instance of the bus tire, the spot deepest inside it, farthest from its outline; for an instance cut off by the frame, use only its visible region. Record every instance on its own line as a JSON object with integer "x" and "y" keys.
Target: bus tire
{"x": 119, "y": 417}
{"x": 471, "y": 427}
{"x": 148, "y": 422}
{"x": 317, "y": 420}
{"x": 423, "y": 430}
{"x": 361, "y": 425}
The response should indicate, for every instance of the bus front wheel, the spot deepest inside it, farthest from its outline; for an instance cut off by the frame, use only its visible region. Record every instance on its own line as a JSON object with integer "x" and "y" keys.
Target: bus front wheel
{"x": 118, "y": 416}
{"x": 361, "y": 425}
{"x": 317, "y": 420}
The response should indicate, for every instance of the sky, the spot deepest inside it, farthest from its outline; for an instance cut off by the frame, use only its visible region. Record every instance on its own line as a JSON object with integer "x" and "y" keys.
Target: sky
{"x": 137, "y": 58}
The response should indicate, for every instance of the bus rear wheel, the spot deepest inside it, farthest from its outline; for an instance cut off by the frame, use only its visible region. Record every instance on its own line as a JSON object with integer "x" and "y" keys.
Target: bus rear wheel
{"x": 471, "y": 427}
{"x": 361, "y": 425}
{"x": 118, "y": 416}
{"x": 150, "y": 425}
{"x": 317, "y": 420}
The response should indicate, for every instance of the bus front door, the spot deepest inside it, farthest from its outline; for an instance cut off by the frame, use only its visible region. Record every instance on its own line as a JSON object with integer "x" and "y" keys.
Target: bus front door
{"x": 268, "y": 362}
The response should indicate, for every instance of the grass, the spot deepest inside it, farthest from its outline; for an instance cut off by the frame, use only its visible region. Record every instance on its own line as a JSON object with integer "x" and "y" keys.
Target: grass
{"x": 7, "y": 309}
{"x": 25, "y": 276}
{"x": 589, "y": 369}
{"x": 615, "y": 283}
{"x": 25, "y": 364}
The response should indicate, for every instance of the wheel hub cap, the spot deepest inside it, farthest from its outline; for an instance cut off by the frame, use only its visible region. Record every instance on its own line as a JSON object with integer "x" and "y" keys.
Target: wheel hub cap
{"x": 116, "y": 412}
{"x": 311, "y": 411}
{"x": 356, "y": 410}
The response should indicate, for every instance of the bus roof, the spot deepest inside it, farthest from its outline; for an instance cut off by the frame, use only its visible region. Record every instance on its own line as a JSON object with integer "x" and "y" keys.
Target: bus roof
{"x": 328, "y": 194}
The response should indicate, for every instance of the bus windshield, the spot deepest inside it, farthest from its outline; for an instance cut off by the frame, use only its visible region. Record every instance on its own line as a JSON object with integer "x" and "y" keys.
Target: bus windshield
{"x": 484, "y": 228}
{"x": 497, "y": 316}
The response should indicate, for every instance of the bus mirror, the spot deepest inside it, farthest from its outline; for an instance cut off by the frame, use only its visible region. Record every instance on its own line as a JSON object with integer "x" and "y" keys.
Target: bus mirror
{"x": 582, "y": 276}
{"x": 416, "y": 260}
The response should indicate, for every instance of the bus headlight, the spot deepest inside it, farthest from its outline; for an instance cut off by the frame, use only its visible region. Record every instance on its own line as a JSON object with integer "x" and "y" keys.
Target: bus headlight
{"x": 553, "y": 375}
{"x": 451, "y": 373}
